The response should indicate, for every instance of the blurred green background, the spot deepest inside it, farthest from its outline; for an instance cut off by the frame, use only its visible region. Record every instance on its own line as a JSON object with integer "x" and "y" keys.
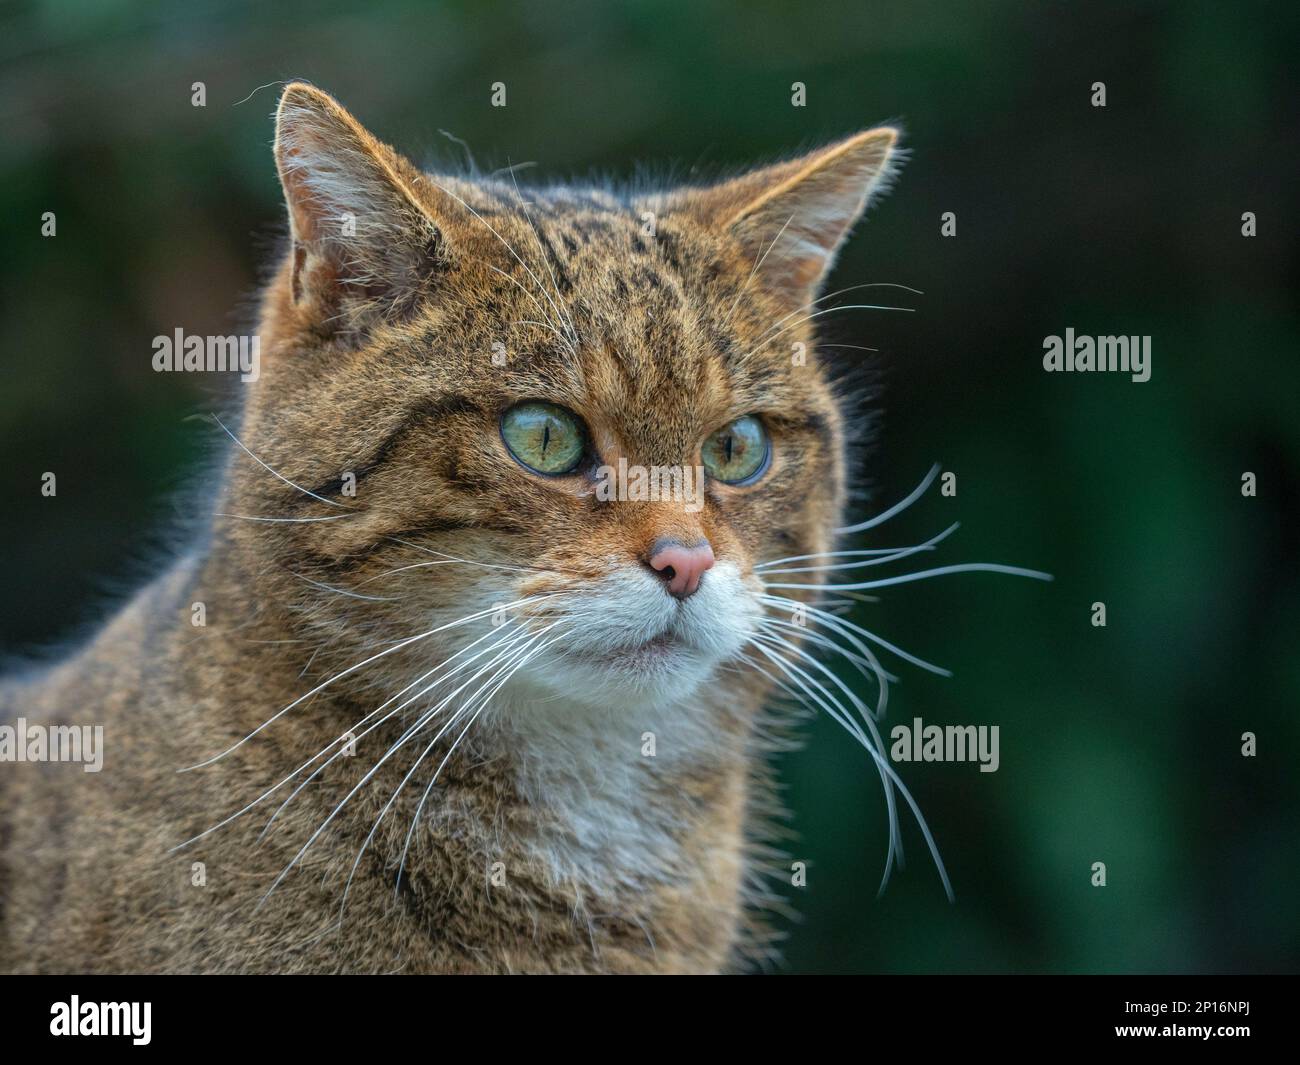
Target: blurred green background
{"x": 1118, "y": 744}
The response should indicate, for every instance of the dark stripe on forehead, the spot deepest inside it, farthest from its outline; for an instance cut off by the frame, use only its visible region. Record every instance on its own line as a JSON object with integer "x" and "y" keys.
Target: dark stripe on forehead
{"x": 561, "y": 275}
{"x": 667, "y": 245}
{"x": 429, "y": 411}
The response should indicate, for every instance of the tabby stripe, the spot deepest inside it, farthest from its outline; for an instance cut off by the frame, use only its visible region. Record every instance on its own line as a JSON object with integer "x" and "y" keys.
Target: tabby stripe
{"x": 432, "y": 410}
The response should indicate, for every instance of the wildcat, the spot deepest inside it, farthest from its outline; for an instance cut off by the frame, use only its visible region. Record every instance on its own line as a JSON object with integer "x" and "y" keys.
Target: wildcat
{"x": 449, "y": 710}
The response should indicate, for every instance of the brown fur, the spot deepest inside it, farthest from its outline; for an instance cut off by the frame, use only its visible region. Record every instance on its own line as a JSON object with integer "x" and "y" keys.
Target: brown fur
{"x": 377, "y": 359}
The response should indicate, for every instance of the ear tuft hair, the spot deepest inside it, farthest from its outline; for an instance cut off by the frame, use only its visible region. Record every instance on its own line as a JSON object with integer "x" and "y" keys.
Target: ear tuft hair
{"x": 361, "y": 240}
{"x": 793, "y": 217}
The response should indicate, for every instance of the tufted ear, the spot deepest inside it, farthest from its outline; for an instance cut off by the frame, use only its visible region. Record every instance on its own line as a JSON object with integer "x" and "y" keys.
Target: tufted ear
{"x": 363, "y": 242}
{"x": 794, "y": 216}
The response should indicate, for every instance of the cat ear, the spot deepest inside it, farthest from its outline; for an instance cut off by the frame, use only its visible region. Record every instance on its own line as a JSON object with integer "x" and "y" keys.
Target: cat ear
{"x": 794, "y": 216}
{"x": 362, "y": 242}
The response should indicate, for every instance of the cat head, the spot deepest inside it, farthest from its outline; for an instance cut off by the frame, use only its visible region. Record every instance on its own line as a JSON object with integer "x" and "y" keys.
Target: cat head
{"x": 553, "y": 429}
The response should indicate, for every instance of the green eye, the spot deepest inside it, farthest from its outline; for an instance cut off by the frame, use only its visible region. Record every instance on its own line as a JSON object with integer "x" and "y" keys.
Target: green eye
{"x": 545, "y": 438}
{"x": 737, "y": 453}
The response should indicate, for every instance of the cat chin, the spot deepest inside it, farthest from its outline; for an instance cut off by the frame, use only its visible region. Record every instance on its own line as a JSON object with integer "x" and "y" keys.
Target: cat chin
{"x": 653, "y": 676}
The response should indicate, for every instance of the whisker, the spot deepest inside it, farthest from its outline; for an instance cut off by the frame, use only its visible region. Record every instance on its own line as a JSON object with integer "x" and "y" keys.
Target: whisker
{"x": 758, "y": 263}
{"x": 499, "y": 663}
{"x": 863, "y": 663}
{"x": 831, "y": 295}
{"x": 929, "y": 545}
{"x": 775, "y": 640}
{"x": 255, "y": 517}
{"x": 440, "y": 562}
{"x": 883, "y": 765}
{"x": 845, "y": 720}
{"x": 361, "y": 783}
{"x": 274, "y": 472}
{"x": 573, "y": 332}
{"x": 856, "y": 552}
{"x": 468, "y": 561}
{"x": 310, "y": 661}
{"x": 508, "y": 639}
{"x": 537, "y": 281}
{"x": 819, "y": 314}
{"x": 840, "y": 624}
{"x": 352, "y": 669}
{"x": 536, "y": 303}
{"x": 365, "y": 779}
{"x": 897, "y": 508}
{"x": 343, "y": 591}
{"x": 530, "y": 652}
{"x": 942, "y": 571}
{"x": 270, "y": 791}
{"x": 847, "y": 347}
{"x": 540, "y": 325}
{"x": 839, "y": 293}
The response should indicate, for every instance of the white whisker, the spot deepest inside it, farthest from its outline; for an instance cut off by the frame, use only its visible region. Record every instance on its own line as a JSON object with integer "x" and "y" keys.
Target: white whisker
{"x": 845, "y": 720}
{"x": 819, "y": 314}
{"x": 270, "y": 470}
{"x": 343, "y": 591}
{"x": 573, "y": 332}
{"x": 942, "y": 571}
{"x": 537, "y": 281}
{"x": 255, "y": 517}
{"x": 340, "y": 740}
{"x": 352, "y": 669}
{"x": 758, "y": 264}
{"x": 882, "y": 560}
{"x": 509, "y": 639}
{"x": 848, "y": 628}
{"x": 365, "y": 779}
{"x": 897, "y": 508}
{"x": 884, "y": 766}
{"x": 529, "y": 652}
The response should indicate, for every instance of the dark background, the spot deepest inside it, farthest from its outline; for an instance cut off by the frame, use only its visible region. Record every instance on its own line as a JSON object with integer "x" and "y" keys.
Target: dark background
{"x": 1119, "y": 744}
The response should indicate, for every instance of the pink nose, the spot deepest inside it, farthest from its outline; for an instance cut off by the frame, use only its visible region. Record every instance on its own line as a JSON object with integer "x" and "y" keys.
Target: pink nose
{"x": 681, "y": 566}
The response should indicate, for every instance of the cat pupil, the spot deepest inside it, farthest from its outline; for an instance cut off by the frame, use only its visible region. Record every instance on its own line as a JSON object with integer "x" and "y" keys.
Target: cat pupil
{"x": 546, "y": 438}
{"x": 729, "y": 440}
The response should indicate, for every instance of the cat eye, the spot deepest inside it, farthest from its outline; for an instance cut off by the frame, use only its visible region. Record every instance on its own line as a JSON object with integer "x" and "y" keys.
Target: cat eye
{"x": 737, "y": 453}
{"x": 545, "y": 438}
